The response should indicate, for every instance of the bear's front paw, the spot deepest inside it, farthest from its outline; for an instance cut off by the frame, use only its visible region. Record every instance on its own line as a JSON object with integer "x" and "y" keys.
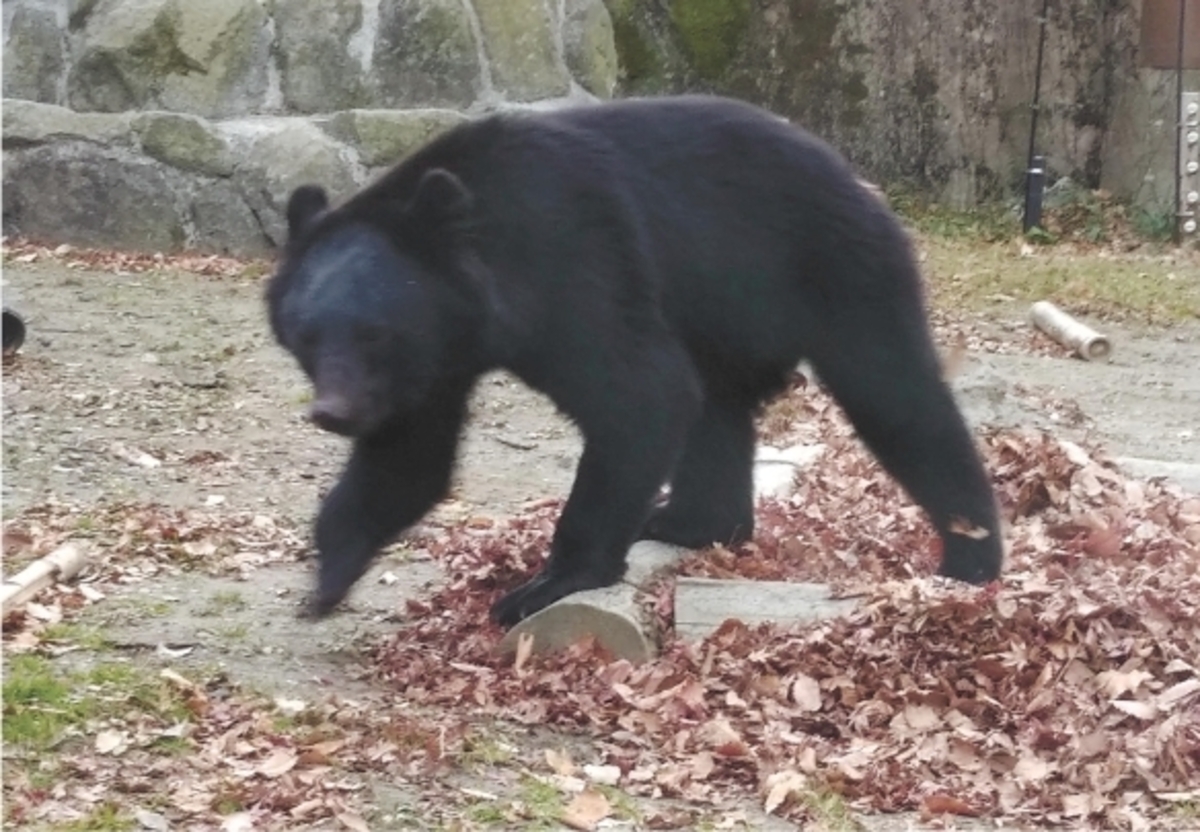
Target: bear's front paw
{"x": 317, "y": 606}
{"x": 538, "y": 593}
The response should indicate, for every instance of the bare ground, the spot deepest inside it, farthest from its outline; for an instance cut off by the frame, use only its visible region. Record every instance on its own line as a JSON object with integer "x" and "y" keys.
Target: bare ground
{"x": 166, "y": 387}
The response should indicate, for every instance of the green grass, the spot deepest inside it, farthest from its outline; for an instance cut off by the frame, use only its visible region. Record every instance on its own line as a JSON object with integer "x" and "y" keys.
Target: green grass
{"x": 830, "y": 811}
{"x": 83, "y": 636}
{"x": 105, "y": 818}
{"x": 480, "y": 751}
{"x": 224, "y": 602}
{"x": 43, "y": 704}
{"x": 968, "y": 274}
{"x": 38, "y": 703}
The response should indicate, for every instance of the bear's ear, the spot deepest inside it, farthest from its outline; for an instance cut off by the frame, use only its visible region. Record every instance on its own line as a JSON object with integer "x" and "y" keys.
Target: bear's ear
{"x": 441, "y": 198}
{"x": 304, "y": 205}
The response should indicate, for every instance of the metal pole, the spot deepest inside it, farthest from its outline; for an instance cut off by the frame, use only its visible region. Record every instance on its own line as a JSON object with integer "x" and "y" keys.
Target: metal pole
{"x": 1037, "y": 80}
{"x": 1035, "y": 168}
{"x": 1179, "y": 211}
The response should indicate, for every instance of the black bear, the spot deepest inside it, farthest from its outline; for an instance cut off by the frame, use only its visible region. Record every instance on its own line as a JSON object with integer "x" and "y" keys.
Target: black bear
{"x": 657, "y": 268}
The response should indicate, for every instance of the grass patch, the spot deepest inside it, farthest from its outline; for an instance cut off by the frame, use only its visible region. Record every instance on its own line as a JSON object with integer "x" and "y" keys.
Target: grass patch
{"x": 482, "y": 751}
{"x": 541, "y": 803}
{"x": 83, "y": 636}
{"x": 43, "y": 704}
{"x": 623, "y": 806}
{"x": 968, "y": 274}
{"x": 238, "y": 632}
{"x": 989, "y": 222}
{"x": 830, "y": 811}
{"x": 38, "y": 703}
{"x": 105, "y": 818}
{"x": 224, "y": 602}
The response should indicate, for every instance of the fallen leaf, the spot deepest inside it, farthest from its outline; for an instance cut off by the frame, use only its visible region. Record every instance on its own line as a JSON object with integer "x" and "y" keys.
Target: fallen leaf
{"x": 352, "y": 821}
{"x": 279, "y": 762}
{"x": 586, "y": 810}
{"x": 560, "y": 762}
{"x": 112, "y": 742}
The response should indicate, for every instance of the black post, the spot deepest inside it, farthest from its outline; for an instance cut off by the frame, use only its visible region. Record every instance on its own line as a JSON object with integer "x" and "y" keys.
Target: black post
{"x": 1035, "y": 171}
{"x": 1035, "y": 184}
{"x": 1179, "y": 212}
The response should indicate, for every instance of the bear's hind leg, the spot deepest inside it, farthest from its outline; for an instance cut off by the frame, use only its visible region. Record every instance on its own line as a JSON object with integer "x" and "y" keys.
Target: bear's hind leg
{"x": 712, "y": 489}
{"x": 877, "y": 359}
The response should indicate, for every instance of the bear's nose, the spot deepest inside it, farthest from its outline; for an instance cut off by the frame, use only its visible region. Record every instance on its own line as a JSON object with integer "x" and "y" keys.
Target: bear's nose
{"x": 332, "y": 413}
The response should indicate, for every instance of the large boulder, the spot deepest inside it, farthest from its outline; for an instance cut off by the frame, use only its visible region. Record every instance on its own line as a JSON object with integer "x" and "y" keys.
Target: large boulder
{"x": 589, "y": 47}
{"x": 278, "y": 155}
{"x": 519, "y": 39}
{"x": 318, "y": 73}
{"x": 35, "y": 54}
{"x": 383, "y": 137}
{"x": 425, "y": 55}
{"x": 185, "y": 142}
{"x": 207, "y": 58}
{"x": 28, "y": 123}
{"x": 83, "y": 193}
{"x": 221, "y": 221}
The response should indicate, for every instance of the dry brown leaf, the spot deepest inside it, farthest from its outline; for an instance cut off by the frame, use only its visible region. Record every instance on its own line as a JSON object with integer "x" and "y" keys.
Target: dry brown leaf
{"x": 278, "y": 762}
{"x": 560, "y": 762}
{"x": 352, "y": 821}
{"x": 586, "y": 810}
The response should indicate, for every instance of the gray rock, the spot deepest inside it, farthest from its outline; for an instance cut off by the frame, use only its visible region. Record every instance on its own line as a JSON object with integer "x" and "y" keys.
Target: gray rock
{"x": 223, "y": 222}
{"x": 34, "y": 55}
{"x": 425, "y": 55}
{"x": 206, "y": 58}
{"x": 589, "y": 47}
{"x": 519, "y": 40}
{"x": 28, "y": 123}
{"x": 383, "y": 137}
{"x": 81, "y": 193}
{"x": 185, "y": 142}
{"x": 702, "y": 604}
{"x": 279, "y": 155}
{"x": 318, "y": 73}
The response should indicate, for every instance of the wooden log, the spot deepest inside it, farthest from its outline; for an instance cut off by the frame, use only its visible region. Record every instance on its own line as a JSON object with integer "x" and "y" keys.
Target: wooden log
{"x": 62, "y": 564}
{"x": 1085, "y": 341}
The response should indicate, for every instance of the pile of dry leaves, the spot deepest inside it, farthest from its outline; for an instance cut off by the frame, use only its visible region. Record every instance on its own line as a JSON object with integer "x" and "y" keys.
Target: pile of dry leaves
{"x": 1068, "y": 692}
{"x": 24, "y": 251}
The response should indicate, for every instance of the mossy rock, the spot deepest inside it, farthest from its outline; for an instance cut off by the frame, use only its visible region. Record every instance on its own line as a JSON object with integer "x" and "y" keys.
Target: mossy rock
{"x": 383, "y": 137}
{"x": 519, "y": 41}
{"x": 711, "y": 31}
{"x": 184, "y": 142}
{"x": 425, "y": 55}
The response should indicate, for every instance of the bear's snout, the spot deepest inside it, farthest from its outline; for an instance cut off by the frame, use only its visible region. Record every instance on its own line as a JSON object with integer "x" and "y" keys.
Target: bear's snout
{"x": 334, "y": 414}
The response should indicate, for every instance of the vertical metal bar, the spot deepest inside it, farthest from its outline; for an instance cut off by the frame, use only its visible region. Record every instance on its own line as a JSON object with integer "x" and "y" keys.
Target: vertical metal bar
{"x": 1179, "y": 128}
{"x": 1037, "y": 81}
{"x": 1035, "y": 167}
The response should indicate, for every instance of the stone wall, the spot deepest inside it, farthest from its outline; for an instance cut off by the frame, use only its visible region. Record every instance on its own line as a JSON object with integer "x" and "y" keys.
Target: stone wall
{"x": 161, "y": 124}
{"x": 174, "y": 123}
{"x": 935, "y": 93}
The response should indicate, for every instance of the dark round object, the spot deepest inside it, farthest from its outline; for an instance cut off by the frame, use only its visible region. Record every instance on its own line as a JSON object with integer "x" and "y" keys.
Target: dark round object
{"x": 14, "y": 332}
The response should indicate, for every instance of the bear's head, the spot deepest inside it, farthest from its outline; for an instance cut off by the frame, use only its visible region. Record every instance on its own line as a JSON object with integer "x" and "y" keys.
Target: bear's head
{"x": 367, "y": 299}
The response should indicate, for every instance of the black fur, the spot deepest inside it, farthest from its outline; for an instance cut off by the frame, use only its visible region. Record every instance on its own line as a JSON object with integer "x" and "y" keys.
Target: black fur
{"x": 657, "y": 268}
